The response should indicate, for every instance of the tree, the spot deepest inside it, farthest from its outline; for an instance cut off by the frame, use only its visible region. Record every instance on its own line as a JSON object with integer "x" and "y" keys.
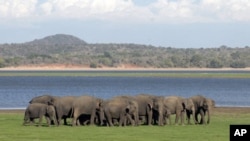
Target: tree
{"x": 238, "y": 64}
{"x": 2, "y": 63}
{"x": 215, "y": 63}
{"x": 196, "y": 60}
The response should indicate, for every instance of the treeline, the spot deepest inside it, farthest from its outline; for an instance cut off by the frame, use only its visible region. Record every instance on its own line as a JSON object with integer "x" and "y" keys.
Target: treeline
{"x": 69, "y": 50}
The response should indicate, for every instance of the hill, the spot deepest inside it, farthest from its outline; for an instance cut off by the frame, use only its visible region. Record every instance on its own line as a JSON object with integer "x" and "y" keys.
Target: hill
{"x": 68, "y": 50}
{"x": 58, "y": 39}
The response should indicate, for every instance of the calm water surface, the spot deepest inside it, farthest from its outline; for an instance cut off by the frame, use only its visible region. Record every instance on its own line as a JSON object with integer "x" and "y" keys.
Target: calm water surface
{"x": 16, "y": 92}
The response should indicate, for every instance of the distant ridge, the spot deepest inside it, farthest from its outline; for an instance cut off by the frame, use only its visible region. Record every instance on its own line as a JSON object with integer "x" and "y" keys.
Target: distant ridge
{"x": 68, "y": 50}
{"x": 58, "y": 39}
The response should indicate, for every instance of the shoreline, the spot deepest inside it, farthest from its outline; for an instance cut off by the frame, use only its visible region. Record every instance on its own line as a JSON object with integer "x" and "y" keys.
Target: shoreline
{"x": 84, "y": 68}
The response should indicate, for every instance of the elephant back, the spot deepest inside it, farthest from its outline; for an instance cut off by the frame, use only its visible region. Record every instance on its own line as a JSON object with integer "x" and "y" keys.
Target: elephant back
{"x": 45, "y": 99}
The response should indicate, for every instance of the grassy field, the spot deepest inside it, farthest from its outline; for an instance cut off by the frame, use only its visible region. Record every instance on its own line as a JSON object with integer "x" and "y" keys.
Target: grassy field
{"x": 12, "y": 129}
{"x": 178, "y": 74}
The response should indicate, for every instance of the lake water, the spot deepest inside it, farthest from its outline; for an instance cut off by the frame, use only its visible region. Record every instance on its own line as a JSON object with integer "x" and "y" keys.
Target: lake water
{"x": 16, "y": 92}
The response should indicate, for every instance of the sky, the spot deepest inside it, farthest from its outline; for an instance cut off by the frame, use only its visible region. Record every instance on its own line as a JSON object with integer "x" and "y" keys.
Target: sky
{"x": 161, "y": 23}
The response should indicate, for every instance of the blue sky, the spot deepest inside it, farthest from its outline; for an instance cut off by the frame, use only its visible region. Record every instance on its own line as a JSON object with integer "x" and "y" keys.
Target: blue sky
{"x": 167, "y": 23}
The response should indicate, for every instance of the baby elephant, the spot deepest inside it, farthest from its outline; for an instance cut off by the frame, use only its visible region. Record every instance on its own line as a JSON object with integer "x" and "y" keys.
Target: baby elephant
{"x": 38, "y": 110}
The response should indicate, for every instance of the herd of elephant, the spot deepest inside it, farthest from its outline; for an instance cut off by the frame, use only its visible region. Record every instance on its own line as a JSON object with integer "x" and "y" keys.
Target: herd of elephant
{"x": 119, "y": 110}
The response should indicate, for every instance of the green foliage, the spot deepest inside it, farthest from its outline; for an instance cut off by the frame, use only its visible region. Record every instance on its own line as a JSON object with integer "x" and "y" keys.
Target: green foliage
{"x": 218, "y": 130}
{"x": 196, "y": 60}
{"x": 215, "y": 63}
{"x": 93, "y": 65}
{"x": 66, "y": 49}
{"x": 238, "y": 64}
{"x": 2, "y": 63}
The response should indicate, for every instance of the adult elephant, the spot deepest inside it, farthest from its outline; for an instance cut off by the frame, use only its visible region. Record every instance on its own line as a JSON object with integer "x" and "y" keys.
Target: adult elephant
{"x": 211, "y": 105}
{"x": 86, "y": 105}
{"x": 119, "y": 108}
{"x": 201, "y": 105}
{"x": 190, "y": 109}
{"x": 166, "y": 106}
{"x": 45, "y": 99}
{"x": 132, "y": 109}
{"x": 63, "y": 107}
{"x": 38, "y": 110}
{"x": 145, "y": 104}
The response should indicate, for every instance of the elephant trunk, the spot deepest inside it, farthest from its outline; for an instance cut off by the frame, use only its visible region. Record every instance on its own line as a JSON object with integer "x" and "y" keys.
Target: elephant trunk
{"x": 193, "y": 114}
{"x": 160, "y": 118}
{"x": 208, "y": 116}
{"x": 101, "y": 116}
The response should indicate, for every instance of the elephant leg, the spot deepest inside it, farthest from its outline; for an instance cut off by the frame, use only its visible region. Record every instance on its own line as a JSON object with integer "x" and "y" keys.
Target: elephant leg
{"x": 55, "y": 121}
{"x": 149, "y": 117}
{"x": 130, "y": 119}
{"x": 25, "y": 122}
{"x": 78, "y": 122}
{"x": 31, "y": 122}
{"x": 188, "y": 117}
{"x": 59, "y": 120}
{"x": 74, "y": 118}
{"x": 109, "y": 119}
{"x": 40, "y": 120}
{"x": 48, "y": 120}
{"x": 122, "y": 118}
{"x": 202, "y": 117}
{"x": 182, "y": 117}
{"x": 136, "y": 119}
{"x": 92, "y": 118}
{"x": 65, "y": 121}
{"x": 208, "y": 116}
{"x": 177, "y": 118}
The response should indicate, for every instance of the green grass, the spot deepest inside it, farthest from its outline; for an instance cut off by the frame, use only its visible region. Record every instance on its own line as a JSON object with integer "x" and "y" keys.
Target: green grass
{"x": 177, "y": 74}
{"x": 12, "y": 130}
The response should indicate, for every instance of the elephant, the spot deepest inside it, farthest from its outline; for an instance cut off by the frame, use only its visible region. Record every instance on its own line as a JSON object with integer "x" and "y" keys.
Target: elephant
{"x": 133, "y": 109}
{"x": 211, "y": 105}
{"x": 190, "y": 109}
{"x": 86, "y": 105}
{"x": 45, "y": 99}
{"x": 166, "y": 106}
{"x": 202, "y": 107}
{"x": 120, "y": 108}
{"x": 145, "y": 103}
{"x": 63, "y": 107}
{"x": 38, "y": 110}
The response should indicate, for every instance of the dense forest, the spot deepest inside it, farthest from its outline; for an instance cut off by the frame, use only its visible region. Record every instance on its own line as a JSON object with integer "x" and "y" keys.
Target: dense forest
{"x": 70, "y": 50}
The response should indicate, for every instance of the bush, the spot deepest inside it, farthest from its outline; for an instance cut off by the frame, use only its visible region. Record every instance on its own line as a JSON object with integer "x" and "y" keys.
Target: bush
{"x": 238, "y": 64}
{"x": 93, "y": 65}
{"x": 215, "y": 64}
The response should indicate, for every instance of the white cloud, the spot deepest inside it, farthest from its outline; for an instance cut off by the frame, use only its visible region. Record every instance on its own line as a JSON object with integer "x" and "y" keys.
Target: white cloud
{"x": 17, "y": 8}
{"x": 162, "y": 11}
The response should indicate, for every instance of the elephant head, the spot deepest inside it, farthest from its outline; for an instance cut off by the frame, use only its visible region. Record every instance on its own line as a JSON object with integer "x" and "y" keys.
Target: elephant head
{"x": 190, "y": 109}
{"x": 158, "y": 108}
{"x": 99, "y": 110}
{"x": 133, "y": 109}
{"x": 204, "y": 104}
{"x": 51, "y": 113}
{"x": 202, "y": 107}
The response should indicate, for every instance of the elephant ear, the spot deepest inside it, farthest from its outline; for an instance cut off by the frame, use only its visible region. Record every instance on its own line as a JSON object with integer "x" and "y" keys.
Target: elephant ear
{"x": 150, "y": 106}
{"x": 184, "y": 104}
{"x": 127, "y": 109}
{"x": 49, "y": 103}
{"x": 101, "y": 102}
{"x": 201, "y": 103}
